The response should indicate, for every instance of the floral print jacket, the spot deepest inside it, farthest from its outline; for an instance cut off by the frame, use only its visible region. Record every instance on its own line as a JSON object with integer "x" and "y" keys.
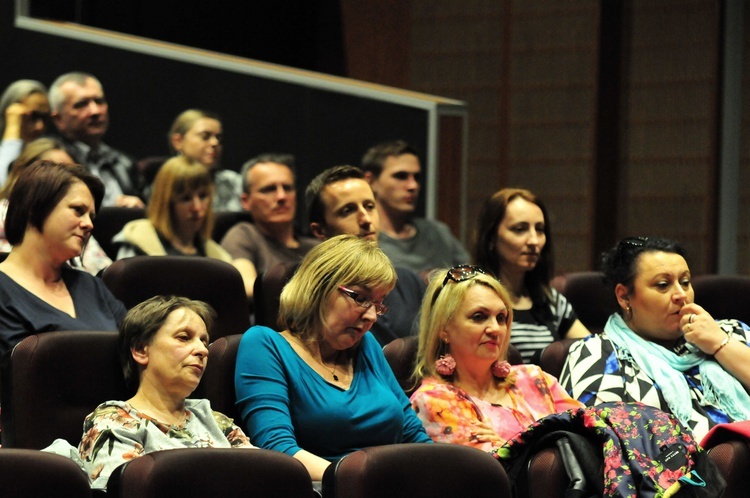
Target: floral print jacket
{"x": 451, "y": 415}
{"x": 116, "y": 432}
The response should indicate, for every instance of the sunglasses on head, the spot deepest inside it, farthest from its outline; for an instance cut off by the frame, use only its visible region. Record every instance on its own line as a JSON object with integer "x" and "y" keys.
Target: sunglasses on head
{"x": 458, "y": 274}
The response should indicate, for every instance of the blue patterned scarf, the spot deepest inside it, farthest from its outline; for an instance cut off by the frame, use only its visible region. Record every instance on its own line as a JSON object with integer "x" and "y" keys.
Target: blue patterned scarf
{"x": 666, "y": 368}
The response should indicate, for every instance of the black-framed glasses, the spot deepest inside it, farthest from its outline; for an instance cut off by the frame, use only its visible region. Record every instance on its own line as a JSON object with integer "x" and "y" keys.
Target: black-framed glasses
{"x": 363, "y": 302}
{"x": 458, "y": 274}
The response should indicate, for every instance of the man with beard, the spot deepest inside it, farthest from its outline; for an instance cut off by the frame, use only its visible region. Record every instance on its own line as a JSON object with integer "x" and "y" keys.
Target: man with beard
{"x": 81, "y": 115}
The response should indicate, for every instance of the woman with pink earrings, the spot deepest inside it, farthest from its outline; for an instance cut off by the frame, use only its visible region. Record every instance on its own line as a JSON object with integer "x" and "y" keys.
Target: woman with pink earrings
{"x": 469, "y": 394}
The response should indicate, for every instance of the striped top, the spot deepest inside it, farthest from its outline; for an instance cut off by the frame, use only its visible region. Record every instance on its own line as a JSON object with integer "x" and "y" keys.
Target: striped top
{"x": 530, "y": 333}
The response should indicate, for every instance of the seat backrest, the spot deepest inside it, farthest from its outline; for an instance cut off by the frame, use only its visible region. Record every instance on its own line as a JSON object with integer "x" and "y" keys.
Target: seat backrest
{"x": 109, "y": 221}
{"x": 407, "y": 470}
{"x": 552, "y": 359}
{"x": 224, "y": 220}
{"x": 218, "y": 380}
{"x": 133, "y": 280}
{"x": 267, "y": 290}
{"x": 51, "y": 381}
{"x": 228, "y": 473}
{"x": 35, "y": 474}
{"x": 401, "y": 355}
{"x": 732, "y": 457}
{"x": 724, "y": 296}
{"x": 592, "y": 300}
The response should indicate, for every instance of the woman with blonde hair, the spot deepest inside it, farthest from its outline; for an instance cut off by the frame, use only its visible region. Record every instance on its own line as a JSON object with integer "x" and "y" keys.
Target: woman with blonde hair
{"x": 322, "y": 388}
{"x": 469, "y": 394}
{"x": 179, "y": 219}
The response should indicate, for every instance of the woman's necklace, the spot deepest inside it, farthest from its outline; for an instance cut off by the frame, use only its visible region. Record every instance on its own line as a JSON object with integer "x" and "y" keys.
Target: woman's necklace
{"x": 333, "y": 371}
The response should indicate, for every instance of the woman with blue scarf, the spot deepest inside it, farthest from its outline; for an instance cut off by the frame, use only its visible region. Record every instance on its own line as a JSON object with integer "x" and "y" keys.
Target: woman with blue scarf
{"x": 662, "y": 349}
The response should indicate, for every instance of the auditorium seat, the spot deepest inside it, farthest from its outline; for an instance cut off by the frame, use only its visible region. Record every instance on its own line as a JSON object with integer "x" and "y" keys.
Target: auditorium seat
{"x": 206, "y": 472}
{"x": 408, "y": 470}
{"x": 51, "y": 381}
{"x": 34, "y": 474}
{"x": 724, "y": 296}
{"x": 267, "y": 290}
{"x": 133, "y": 280}
{"x": 224, "y": 220}
{"x": 109, "y": 221}
{"x": 591, "y": 299}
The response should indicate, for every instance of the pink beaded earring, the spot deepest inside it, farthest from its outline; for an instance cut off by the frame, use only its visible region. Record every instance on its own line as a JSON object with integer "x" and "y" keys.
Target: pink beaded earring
{"x": 500, "y": 369}
{"x": 445, "y": 365}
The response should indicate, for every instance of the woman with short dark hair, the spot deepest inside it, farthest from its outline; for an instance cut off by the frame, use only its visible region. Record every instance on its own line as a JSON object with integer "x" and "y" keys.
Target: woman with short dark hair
{"x": 661, "y": 348}
{"x": 163, "y": 347}
{"x": 51, "y": 213}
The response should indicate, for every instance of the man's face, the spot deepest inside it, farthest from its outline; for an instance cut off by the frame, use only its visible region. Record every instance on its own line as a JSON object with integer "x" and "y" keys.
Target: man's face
{"x": 397, "y": 187}
{"x": 84, "y": 114}
{"x": 349, "y": 208}
{"x": 272, "y": 198}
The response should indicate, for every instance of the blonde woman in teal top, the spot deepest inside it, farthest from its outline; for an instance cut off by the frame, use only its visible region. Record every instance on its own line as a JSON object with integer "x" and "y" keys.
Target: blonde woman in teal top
{"x": 322, "y": 388}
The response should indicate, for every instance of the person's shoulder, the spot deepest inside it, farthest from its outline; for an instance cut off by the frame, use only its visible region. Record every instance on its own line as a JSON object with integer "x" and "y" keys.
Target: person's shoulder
{"x": 260, "y": 334}
{"x": 113, "y": 410}
{"x": 307, "y": 242}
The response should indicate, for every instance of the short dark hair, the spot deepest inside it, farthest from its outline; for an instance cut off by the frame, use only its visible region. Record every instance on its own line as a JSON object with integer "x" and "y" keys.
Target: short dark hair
{"x": 39, "y": 188}
{"x": 144, "y": 320}
{"x": 313, "y": 202}
{"x": 287, "y": 160}
{"x": 375, "y": 157}
{"x": 619, "y": 264}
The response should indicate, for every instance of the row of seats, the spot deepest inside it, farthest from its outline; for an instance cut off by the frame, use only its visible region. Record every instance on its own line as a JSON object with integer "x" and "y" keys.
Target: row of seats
{"x": 52, "y": 381}
{"x": 68, "y": 373}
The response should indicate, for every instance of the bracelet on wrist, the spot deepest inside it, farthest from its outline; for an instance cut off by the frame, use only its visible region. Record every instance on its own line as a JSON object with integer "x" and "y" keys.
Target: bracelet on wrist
{"x": 723, "y": 343}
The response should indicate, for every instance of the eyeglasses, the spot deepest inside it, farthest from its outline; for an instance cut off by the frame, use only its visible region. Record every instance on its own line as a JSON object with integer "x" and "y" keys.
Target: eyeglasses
{"x": 363, "y": 302}
{"x": 458, "y": 274}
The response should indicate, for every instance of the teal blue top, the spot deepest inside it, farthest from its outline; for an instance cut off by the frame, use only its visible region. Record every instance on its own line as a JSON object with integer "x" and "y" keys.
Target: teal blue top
{"x": 287, "y": 406}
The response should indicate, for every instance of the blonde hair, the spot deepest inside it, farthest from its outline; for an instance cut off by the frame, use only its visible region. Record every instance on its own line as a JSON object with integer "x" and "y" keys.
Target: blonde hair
{"x": 439, "y": 306}
{"x": 185, "y": 120}
{"x": 176, "y": 177}
{"x": 31, "y": 152}
{"x": 342, "y": 260}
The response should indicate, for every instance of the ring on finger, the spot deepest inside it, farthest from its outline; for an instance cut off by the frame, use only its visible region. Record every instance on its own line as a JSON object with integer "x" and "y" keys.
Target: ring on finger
{"x": 689, "y": 328}
{"x": 690, "y": 320}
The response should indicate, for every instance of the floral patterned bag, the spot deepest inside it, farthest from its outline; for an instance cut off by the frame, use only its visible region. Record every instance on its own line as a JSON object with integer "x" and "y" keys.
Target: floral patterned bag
{"x": 640, "y": 451}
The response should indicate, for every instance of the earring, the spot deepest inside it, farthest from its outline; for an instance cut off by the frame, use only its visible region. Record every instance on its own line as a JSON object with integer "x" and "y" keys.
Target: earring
{"x": 445, "y": 365}
{"x": 628, "y": 313}
{"x": 500, "y": 369}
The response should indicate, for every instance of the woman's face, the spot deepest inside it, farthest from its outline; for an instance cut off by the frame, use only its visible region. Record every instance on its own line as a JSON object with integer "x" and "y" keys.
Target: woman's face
{"x": 190, "y": 209}
{"x": 520, "y": 236}
{"x": 479, "y": 330}
{"x": 346, "y": 321}
{"x": 660, "y": 289}
{"x": 202, "y": 142}
{"x": 176, "y": 357}
{"x": 69, "y": 225}
{"x": 36, "y": 117}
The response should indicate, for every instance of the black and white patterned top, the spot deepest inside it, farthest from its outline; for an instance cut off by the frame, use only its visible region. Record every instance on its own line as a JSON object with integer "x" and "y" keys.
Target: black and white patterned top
{"x": 597, "y": 372}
